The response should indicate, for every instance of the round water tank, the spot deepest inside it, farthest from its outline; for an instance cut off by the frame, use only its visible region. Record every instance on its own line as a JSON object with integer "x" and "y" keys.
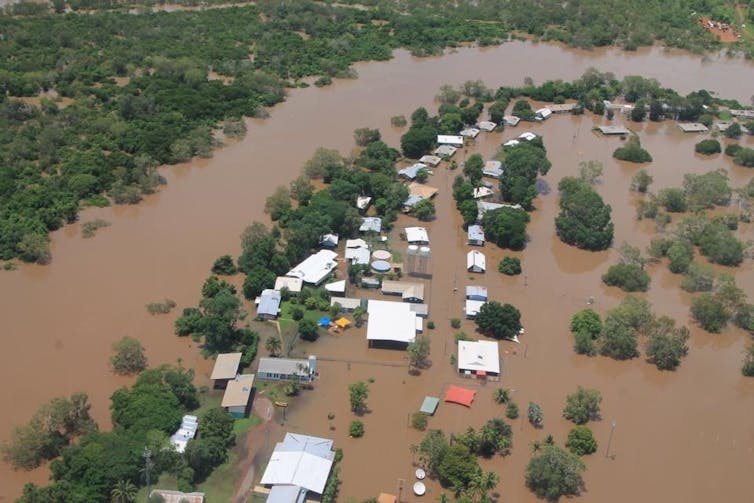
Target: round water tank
{"x": 380, "y": 266}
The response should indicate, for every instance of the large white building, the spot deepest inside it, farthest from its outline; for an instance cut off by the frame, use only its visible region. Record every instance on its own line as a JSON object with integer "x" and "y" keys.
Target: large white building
{"x": 478, "y": 358}
{"x": 315, "y": 268}
{"x": 392, "y": 324}
{"x": 299, "y": 464}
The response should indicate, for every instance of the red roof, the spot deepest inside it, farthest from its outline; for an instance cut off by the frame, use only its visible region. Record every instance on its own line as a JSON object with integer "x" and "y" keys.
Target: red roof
{"x": 459, "y": 395}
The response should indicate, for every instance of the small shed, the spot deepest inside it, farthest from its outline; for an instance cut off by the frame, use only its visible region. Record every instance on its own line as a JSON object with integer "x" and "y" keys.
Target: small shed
{"x": 475, "y": 235}
{"x": 511, "y": 120}
{"x": 476, "y": 261}
{"x": 292, "y": 284}
{"x": 543, "y": 114}
{"x": 362, "y": 202}
{"x": 269, "y": 304}
{"x": 492, "y": 169}
{"x": 471, "y": 132}
{"x": 471, "y": 308}
{"x": 482, "y": 192}
{"x": 346, "y": 303}
{"x": 487, "y": 126}
{"x": 429, "y": 405}
{"x": 338, "y": 288}
{"x": 511, "y": 143}
{"x": 343, "y": 322}
{"x": 417, "y": 236}
{"x": 329, "y": 240}
{"x": 528, "y": 136}
{"x": 476, "y": 292}
{"x": 370, "y": 283}
{"x": 237, "y": 394}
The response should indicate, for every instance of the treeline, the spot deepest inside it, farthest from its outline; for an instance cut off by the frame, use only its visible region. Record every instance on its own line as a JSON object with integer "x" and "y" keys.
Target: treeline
{"x": 100, "y": 465}
{"x": 142, "y": 93}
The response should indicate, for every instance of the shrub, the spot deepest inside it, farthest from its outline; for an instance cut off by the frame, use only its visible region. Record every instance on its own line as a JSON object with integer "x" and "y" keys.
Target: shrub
{"x": 627, "y": 277}
{"x": 430, "y": 325}
{"x": 733, "y": 149}
{"x": 398, "y": 121}
{"x": 510, "y": 266}
{"x": 224, "y": 266}
{"x": 632, "y": 152}
{"x": 744, "y": 157}
{"x": 308, "y": 330}
{"x": 455, "y": 322}
{"x": 297, "y": 313}
{"x": 708, "y": 147}
{"x": 419, "y": 421}
{"x": 356, "y": 429}
{"x": 511, "y": 410}
{"x": 587, "y": 320}
{"x": 163, "y": 307}
{"x": 581, "y": 441}
{"x": 584, "y": 343}
{"x": 583, "y": 405}
{"x": 535, "y": 414}
{"x": 673, "y": 200}
{"x": 747, "y": 368}
{"x": 710, "y": 312}
{"x": 129, "y": 356}
{"x": 89, "y": 229}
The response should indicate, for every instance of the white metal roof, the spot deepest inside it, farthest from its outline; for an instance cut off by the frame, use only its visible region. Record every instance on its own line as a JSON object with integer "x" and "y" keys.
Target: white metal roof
{"x": 358, "y": 255}
{"x": 362, "y": 202}
{"x": 487, "y": 126}
{"x": 471, "y": 307}
{"x": 471, "y": 132}
{"x": 226, "y": 366}
{"x": 238, "y": 391}
{"x": 475, "y": 261}
{"x": 479, "y": 355}
{"x": 302, "y": 461}
{"x": 287, "y": 366}
{"x": 315, "y": 267}
{"x": 480, "y": 192}
{"x": 391, "y": 321}
{"x": 528, "y": 136}
{"x": 493, "y": 169}
{"x": 373, "y": 224}
{"x": 445, "y": 151}
{"x": 432, "y": 160}
{"x": 476, "y": 233}
{"x": 346, "y": 302}
{"x": 476, "y": 292}
{"x": 269, "y": 302}
{"x": 329, "y": 239}
{"x": 511, "y": 143}
{"x": 543, "y": 113}
{"x": 417, "y": 235}
{"x": 292, "y": 284}
{"x": 453, "y": 140}
{"x": 511, "y": 120}
{"x": 337, "y": 286}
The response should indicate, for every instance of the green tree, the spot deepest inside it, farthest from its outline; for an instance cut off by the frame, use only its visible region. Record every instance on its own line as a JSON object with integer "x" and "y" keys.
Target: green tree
{"x": 418, "y": 351}
{"x": 34, "y": 248}
{"x": 627, "y": 277}
{"x": 584, "y": 219}
{"x": 587, "y": 320}
{"x": 708, "y": 147}
{"x": 129, "y": 356}
{"x": 473, "y": 168}
{"x": 308, "y": 330}
{"x": 681, "y": 254}
{"x": 506, "y": 227}
{"x": 495, "y": 438}
{"x": 419, "y": 421}
{"x": 590, "y": 171}
{"x": 581, "y": 441}
{"x": 710, "y": 312}
{"x": 747, "y": 368}
{"x": 641, "y": 181}
{"x": 510, "y": 266}
{"x": 358, "y": 393}
{"x": 673, "y": 200}
{"x": 618, "y": 340}
{"x": 733, "y": 131}
{"x": 535, "y": 414}
{"x": 321, "y": 162}
{"x": 583, "y": 405}
{"x": 457, "y": 468}
{"x": 707, "y": 190}
{"x": 364, "y": 136}
{"x": 124, "y": 492}
{"x": 632, "y": 151}
{"x": 553, "y": 473}
{"x": 501, "y": 321}
{"x": 424, "y": 210}
{"x": 511, "y": 410}
{"x": 273, "y": 345}
{"x": 432, "y": 450}
{"x": 667, "y": 344}
{"x": 356, "y": 429}
{"x": 501, "y": 395}
{"x": 698, "y": 278}
{"x": 224, "y": 266}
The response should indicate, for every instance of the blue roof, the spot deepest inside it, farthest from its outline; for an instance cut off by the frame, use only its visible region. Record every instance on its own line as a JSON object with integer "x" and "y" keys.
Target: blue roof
{"x": 411, "y": 171}
{"x": 269, "y": 303}
{"x": 412, "y": 200}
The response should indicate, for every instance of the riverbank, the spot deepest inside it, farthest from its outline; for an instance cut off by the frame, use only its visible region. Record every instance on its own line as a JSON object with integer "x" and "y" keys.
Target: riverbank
{"x": 96, "y": 289}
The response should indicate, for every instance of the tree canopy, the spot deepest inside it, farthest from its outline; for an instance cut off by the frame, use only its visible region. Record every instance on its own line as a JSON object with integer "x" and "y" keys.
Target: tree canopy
{"x": 501, "y": 321}
{"x": 584, "y": 219}
{"x": 553, "y": 473}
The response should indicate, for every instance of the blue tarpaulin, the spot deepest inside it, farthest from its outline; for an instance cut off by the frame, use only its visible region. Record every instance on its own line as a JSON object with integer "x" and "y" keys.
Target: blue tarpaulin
{"x": 324, "y": 321}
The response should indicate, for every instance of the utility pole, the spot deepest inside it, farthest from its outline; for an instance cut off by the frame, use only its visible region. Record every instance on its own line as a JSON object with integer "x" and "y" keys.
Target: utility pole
{"x": 610, "y": 440}
{"x": 148, "y": 467}
{"x": 400, "y": 489}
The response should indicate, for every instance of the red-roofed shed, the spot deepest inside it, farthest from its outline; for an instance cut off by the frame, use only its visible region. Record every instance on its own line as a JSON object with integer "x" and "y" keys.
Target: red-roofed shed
{"x": 459, "y": 395}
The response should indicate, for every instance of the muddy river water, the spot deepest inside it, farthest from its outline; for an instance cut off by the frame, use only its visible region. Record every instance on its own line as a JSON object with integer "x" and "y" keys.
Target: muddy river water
{"x": 679, "y": 436}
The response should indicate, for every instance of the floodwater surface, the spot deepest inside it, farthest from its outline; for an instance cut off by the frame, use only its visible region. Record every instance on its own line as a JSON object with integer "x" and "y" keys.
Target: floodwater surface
{"x": 679, "y": 436}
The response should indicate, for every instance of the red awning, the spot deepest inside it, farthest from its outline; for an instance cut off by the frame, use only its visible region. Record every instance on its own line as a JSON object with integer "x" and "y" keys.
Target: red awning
{"x": 459, "y": 395}
{"x": 481, "y": 373}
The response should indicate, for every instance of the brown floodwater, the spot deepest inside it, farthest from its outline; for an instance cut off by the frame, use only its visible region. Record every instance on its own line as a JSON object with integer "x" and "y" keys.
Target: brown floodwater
{"x": 679, "y": 436}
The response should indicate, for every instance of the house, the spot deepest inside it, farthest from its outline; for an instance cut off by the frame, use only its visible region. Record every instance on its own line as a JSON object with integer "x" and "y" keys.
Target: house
{"x": 613, "y": 130}
{"x": 453, "y": 141}
{"x": 445, "y": 151}
{"x": 542, "y": 114}
{"x": 482, "y": 192}
{"x": 186, "y": 432}
{"x": 476, "y": 292}
{"x": 562, "y": 108}
{"x": 692, "y": 127}
{"x": 478, "y": 358}
{"x": 475, "y": 261}
{"x": 511, "y": 120}
{"x": 391, "y": 324}
{"x": 487, "y": 126}
{"x": 528, "y": 136}
{"x": 411, "y": 172}
{"x": 299, "y": 464}
{"x": 347, "y": 303}
{"x": 471, "y": 132}
{"x": 421, "y": 310}
{"x": 417, "y": 236}
{"x": 431, "y": 160}
{"x": 358, "y": 255}
{"x": 493, "y": 169}
{"x": 268, "y": 306}
{"x": 422, "y": 191}
{"x": 337, "y": 288}
{"x": 371, "y": 224}
{"x": 409, "y": 292}
{"x": 225, "y": 369}
{"x": 485, "y": 206}
{"x": 287, "y": 369}
{"x": 314, "y": 269}
{"x": 749, "y": 114}
{"x": 237, "y": 394}
{"x": 471, "y": 308}
{"x": 475, "y": 235}
{"x": 362, "y": 202}
{"x": 329, "y": 240}
{"x": 176, "y": 496}
{"x": 292, "y": 284}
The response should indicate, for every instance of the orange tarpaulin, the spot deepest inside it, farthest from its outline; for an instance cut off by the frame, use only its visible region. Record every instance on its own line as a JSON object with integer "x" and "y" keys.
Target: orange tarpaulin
{"x": 342, "y": 322}
{"x": 386, "y": 498}
{"x": 459, "y": 395}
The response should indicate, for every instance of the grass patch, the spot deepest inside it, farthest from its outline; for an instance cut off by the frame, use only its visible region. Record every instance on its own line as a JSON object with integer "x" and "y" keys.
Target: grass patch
{"x": 274, "y": 390}
{"x": 286, "y": 308}
{"x": 166, "y": 481}
{"x": 219, "y": 486}
{"x": 241, "y": 426}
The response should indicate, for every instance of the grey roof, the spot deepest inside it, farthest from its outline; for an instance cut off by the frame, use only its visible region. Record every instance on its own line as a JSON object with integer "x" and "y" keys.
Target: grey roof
{"x": 287, "y": 366}
{"x": 613, "y": 130}
{"x": 476, "y": 292}
{"x": 476, "y": 233}
{"x": 411, "y": 171}
{"x": 692, "y": 127}
{"x": 493, "y": 169}
{"x": 269, "y": 303}
{"x": 371, "y": 224}
{"x": 286, "y": 494}
{"x": 412, "y": 200}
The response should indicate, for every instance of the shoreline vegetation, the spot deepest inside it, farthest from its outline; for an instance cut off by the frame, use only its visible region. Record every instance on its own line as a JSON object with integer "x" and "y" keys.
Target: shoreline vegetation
{"x": 120, "y": 94}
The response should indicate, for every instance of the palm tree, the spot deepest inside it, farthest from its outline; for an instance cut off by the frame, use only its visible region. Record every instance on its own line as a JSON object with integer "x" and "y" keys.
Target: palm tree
{"x": 123, "y": 492}
{"x": 273, "y": 345}
{"x": 482, "y": 484}
{"x": 501, "y": 395}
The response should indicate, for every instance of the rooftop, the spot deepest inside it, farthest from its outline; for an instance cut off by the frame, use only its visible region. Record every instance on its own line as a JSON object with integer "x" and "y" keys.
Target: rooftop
{"x": 511, "y": 120}
{"x": 269, "y": 302}
{"x": 412, "y": 171}
{"x": 421, "y": 190}
{"x": 445, "y": 151}
{"x": 608, "y": 130}
{"x": 300, "y": 460}
{"x": 476, "y": 292}
{"x": 286, "y": 366}
{"x": 417, "y": 235}
{"x": 316, "y": 267}
{"x": 476, "y": 233}
{"x": 456, "y": 141}
{"x": 371, "y": 224}
{"x": 292, "y": 284}
{"x": 479, "y": 355}
{"x": 487, "y": 126}
{"x": 178, "y": 496}
{"x": 493, "y": 169}
{"x": 226, "y": 366}
{"x": 432, "y": 160}
{"x": 692, "y": 127}
{"x": 238, "y": 391}
{"x": 391, "y": 321}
